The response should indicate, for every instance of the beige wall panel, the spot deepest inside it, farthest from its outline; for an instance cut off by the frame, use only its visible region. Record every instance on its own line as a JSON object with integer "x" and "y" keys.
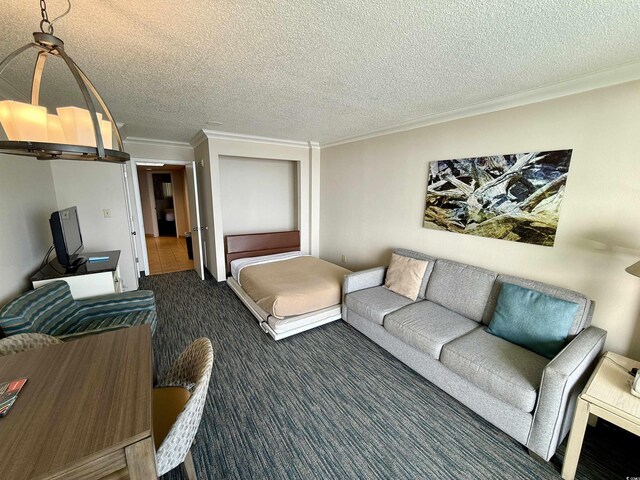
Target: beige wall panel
{"x": 372, "y": 197}
{"x": 258, "y": 195}
{"x": 28, "y": 198}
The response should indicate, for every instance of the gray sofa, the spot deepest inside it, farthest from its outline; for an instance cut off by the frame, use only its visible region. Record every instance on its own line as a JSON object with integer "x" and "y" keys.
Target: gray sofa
{"x": 443, "y": 337}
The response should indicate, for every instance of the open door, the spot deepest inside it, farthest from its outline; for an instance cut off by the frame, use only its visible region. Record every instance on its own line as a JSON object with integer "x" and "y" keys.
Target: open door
{"x": 131, "y": 224}
{"x": 194, "y": 219}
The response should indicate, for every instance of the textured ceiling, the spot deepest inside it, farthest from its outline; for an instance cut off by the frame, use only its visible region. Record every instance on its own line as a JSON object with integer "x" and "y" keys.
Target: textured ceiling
{"x": 318, "y": 70}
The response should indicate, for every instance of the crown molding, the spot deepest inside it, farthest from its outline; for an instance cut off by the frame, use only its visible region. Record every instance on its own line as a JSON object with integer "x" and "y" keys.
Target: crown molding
{"x": 217, "y": 135}
{"x": 136, "y": 161}
{"x": 155, "y": 141}
{"x": 606, "y": 78}
{"x": 197, "y": 139}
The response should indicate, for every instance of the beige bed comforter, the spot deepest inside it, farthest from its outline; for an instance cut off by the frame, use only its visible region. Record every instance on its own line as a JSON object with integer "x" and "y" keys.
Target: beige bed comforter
{"x": 295, "y": 286}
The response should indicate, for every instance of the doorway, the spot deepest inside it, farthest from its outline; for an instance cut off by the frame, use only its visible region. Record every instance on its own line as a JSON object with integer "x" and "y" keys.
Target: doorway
{"x": 165, "y": 209}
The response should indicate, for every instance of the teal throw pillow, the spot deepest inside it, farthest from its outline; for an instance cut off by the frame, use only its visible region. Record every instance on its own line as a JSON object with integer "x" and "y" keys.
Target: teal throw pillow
{"x": 533, "y": 320}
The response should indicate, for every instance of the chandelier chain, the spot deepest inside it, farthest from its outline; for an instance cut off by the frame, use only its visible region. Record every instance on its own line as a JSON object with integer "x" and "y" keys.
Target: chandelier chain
{"x": 45, "y": 18}
{"x": 66, "y": 12}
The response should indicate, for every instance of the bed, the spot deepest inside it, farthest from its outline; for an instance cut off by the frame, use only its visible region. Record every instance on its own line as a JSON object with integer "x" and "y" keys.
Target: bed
{"x": 287, "y": 291}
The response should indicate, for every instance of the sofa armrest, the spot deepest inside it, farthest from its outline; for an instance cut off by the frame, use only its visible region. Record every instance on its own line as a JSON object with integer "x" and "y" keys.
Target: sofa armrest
{"x": 562, "y": 381}
{"x": 115, "y": 304}
{"x": 374, "y": 277}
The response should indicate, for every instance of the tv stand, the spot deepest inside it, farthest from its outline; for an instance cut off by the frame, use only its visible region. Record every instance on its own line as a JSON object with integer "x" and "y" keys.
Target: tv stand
{"x": 85, "y": 278}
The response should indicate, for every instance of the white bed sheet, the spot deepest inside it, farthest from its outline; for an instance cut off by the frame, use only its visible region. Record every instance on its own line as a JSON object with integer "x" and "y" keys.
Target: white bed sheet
{"x": 240, "y": 263}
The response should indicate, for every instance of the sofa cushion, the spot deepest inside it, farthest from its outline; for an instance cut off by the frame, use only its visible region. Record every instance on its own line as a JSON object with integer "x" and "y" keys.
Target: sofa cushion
{"x": 106, "y": 324}
{"x": 533, "y": 320}
{"x": 462, "y": 288}
{"x": 419, "y": 256}
{"x": 582, "y": 317}
{"x": 405, "y": 275}
{"x": 374, "y": 303}
{"x": 427, "y": 326}
{"x": 503, "y": 369}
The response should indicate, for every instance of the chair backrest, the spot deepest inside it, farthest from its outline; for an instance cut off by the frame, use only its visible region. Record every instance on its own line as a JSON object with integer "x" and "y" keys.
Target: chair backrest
{"x": 192, "y": 370}
{"x": 25, "y": 341}
{"x": 38, "y": 310}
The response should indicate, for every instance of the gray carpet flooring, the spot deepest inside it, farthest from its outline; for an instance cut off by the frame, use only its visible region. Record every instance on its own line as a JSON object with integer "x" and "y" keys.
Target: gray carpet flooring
{"x": 329, "y": 403}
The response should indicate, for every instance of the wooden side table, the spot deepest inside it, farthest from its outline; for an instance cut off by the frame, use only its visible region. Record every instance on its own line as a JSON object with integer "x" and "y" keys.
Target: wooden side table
{"x": 608, "y": 396}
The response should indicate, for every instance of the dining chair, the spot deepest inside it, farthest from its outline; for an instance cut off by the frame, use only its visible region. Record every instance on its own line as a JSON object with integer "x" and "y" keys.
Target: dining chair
{"x": 179, "y": 402}
{"x": 26, "y": 341}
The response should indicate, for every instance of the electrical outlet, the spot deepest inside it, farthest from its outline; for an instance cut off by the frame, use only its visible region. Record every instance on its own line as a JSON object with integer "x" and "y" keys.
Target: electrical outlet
{"x": 343, "y": 259}
{"x": 106, "y": 212}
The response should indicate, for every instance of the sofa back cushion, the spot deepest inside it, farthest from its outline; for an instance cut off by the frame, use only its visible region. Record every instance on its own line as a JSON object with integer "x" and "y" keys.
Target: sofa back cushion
{"x": 38, "y": 310}
{"x": 427, "y": 274}
{"x": 461, "y": 288}
{"x": 532, "y": 319}
{"x": 581, "y": 318}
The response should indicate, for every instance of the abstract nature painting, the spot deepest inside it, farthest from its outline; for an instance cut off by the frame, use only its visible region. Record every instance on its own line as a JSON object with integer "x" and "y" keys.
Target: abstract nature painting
{"x": 513, "y": 197}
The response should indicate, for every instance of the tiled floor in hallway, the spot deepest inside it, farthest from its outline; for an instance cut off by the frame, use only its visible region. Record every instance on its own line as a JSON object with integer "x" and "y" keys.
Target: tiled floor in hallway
{"x": 167, "y": 254}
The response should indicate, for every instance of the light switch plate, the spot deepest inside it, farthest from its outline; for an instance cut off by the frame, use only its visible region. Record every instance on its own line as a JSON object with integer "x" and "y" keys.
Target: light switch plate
{"x": 106, "y": 212}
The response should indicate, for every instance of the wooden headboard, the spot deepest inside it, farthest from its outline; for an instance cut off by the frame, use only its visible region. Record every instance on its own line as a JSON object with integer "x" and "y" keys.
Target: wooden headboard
{"x": 256, "y": 244}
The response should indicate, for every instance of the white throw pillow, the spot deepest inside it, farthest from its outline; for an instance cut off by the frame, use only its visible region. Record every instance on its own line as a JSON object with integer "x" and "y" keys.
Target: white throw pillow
{"x": 404, "y": 275}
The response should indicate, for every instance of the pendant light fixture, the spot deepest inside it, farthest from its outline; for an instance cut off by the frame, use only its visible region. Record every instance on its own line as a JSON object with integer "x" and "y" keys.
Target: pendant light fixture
{"x": 69, "y": 133}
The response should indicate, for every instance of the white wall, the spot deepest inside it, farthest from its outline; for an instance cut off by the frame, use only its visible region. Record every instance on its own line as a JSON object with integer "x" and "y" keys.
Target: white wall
{"x": 258, "y": 195}
{"x": 373, "y": 191}
{"x": 28, "y": 198}
{"x": 94, "y": 186}
{"x": 30, "y": 190}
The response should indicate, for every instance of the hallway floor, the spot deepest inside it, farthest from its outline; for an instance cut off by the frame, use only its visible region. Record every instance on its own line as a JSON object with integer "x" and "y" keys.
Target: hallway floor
{"x": 167, "y": 255}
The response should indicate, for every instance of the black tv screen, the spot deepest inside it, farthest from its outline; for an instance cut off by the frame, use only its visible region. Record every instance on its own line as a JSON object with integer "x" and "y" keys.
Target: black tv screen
{"x": 67, "y": 237}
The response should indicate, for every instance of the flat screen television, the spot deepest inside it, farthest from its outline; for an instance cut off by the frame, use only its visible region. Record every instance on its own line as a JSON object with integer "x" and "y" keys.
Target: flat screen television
{"x": 67, "y": 237}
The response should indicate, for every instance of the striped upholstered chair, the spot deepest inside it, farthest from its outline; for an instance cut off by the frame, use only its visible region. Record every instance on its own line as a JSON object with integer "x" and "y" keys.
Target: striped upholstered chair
{"x": 52, "y": 310}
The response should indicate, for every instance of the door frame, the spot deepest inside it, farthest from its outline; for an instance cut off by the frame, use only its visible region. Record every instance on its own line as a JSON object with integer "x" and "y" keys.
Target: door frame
{"x": 136, "y": 187}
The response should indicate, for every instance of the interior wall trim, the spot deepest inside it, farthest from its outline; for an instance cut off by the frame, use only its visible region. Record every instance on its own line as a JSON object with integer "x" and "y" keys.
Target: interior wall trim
{"x": 197, "y": 139}
{"x": 155, "y": 141}
{"x": 606, "y": 78}
{"x": 204, "y": 134}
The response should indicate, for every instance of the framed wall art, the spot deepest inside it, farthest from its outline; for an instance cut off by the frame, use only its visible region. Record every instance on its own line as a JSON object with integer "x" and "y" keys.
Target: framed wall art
{"x": 513, "y": 197}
